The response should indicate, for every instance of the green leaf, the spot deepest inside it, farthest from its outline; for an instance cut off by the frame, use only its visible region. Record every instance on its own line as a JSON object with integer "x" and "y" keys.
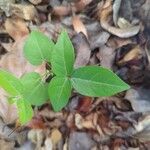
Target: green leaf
{"x": 97, "y": 81}
{"x": 10, "y": 83}
{"x": 59, "y": 92}
{"x": 35, "y": 90}
{"x": 38, "y": 48}
{"x": 63, "y": 56}
{"x": 25, "y": 111}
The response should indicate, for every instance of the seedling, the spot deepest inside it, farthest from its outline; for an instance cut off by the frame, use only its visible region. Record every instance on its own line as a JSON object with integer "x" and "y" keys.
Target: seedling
{"x": 32, "y": 89}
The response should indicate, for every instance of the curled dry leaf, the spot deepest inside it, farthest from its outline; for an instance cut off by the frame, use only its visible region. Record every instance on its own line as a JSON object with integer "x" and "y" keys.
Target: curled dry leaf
{"x": 123, "y": 23}
{"x": 16, "y": 28}
{"x": 79, "y": 26}
{"x": 116, "y": 7}
{"x": 104, "y": 15}
{"x": 82, "y": 49}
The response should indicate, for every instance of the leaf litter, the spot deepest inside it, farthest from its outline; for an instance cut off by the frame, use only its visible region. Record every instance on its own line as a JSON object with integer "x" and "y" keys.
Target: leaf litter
{"x": 113, "y": 34}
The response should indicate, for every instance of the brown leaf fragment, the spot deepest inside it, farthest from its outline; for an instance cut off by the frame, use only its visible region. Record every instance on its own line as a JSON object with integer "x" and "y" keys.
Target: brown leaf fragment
{"x": 16, "y": 28}
{"x": 79, "y": 26}
{"x": 134, "y": 53}
{"x": 36, "y": 123}
{"x": 106, "y": 56}
{"x": 84, "y": 104}
{"x": 86, "y": 122}
{"x": 104, "y": 15}
{"x": 81, "y": 4}
{"x": 82, "y": 49}
{"x": 61, "y": 10}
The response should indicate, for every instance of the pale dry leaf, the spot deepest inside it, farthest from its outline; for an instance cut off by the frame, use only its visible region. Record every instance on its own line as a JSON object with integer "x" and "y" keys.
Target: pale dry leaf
{"x": 81, "y": 4}
{"x": 37, "y": 137}
{"x": 8, "y": 112}
{"x": 132, "y": 54}
{"x": 123, "y": 23}
{"x": 16, "y": 28}
{"x": 56, "y": 136}
{"x": 6, "y": 145}
{"x": 79, "y": 26}
{"x": 86, "y": 122}
{"x": 48, "y": 144}
{"x": 24, "y": 11}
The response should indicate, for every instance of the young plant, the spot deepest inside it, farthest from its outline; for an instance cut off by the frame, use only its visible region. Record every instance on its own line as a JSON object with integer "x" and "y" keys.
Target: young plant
{"x": 32, "y": 89}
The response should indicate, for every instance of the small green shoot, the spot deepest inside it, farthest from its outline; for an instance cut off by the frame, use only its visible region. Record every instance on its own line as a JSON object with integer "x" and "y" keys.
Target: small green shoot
{"x": 32, "y": 89}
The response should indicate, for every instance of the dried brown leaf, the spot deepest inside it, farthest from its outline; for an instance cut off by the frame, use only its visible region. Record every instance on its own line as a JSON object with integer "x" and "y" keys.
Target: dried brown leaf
{"x": 56, "y": 136}
{"x": 104, "y": 15}
{"x": 82, "y": 49}
{"x": 84, "y": 104}
{"x": 16, "y": 28}
{"x": 134, "y": 53}
{"x": 24, "y": 11}
{"x": 79, "y": 26}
